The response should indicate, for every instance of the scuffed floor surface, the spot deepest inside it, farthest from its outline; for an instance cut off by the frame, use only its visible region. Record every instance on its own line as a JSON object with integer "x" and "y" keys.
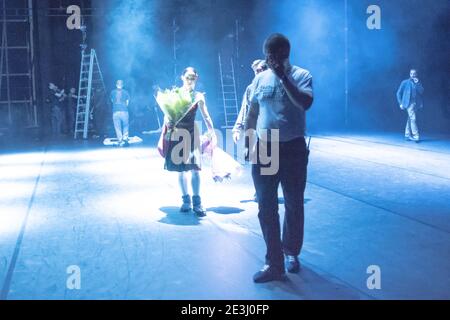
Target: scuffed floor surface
{"x": 370, "y": 200}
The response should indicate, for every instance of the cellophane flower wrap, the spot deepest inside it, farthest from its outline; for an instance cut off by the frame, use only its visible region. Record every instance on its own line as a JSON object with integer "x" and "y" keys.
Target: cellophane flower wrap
{"x": 174, "y": 103}
{"x": 223, "y": 166}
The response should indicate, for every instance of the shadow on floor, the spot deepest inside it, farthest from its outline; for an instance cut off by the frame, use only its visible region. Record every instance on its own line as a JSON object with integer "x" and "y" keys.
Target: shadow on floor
{"x": 309, "y": 285}
{"x": 225, "y": 210}
{"x": 175, "y": 217}
{"x": 280, "y": 200}
{"x": 247, "y": 201}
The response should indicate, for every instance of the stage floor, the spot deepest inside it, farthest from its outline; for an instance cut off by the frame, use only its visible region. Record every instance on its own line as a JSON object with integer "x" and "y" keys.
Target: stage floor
{"x": 370, "y": 200}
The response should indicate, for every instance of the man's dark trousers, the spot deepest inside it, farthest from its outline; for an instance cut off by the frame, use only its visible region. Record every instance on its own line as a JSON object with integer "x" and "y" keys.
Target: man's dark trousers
{"x": 293, "y": 162}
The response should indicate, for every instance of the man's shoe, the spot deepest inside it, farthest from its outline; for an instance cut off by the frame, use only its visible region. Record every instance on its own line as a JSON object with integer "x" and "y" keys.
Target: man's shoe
{"x": 292, "y": 264}
{"x": 186, "y": 206}
{"x": 407, "y": 138}
{"x": 197, "y": 206}
{"x": 268, "y": 273}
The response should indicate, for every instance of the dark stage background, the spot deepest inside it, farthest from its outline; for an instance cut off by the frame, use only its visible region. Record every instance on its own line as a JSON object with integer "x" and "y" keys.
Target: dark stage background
{"x": 134, "y": 41}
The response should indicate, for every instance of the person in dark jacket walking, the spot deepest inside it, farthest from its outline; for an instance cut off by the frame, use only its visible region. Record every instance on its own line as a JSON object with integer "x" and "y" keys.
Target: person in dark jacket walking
{"x": 410, "y": 99}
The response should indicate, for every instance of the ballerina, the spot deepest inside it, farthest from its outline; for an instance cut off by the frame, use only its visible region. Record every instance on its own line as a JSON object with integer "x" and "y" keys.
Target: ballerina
{"x": 182, "y": 151}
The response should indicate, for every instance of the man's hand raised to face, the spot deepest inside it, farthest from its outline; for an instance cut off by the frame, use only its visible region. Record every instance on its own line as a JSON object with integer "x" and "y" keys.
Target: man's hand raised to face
{"x": 276, "y": 65}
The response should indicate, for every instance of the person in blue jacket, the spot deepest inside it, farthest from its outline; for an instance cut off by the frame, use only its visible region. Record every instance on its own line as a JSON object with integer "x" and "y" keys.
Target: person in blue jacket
{"x": 410, "y": 99}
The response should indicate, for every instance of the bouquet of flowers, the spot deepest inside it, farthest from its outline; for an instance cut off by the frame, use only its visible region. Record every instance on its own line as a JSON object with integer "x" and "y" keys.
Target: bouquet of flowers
{"x": 223, "y": 166}
{"x": 174, "y": 103}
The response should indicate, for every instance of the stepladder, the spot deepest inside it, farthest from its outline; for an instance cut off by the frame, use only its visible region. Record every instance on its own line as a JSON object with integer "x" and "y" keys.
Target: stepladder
{"x": 91, "y": 85}
{"x": 229, "y": 91}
